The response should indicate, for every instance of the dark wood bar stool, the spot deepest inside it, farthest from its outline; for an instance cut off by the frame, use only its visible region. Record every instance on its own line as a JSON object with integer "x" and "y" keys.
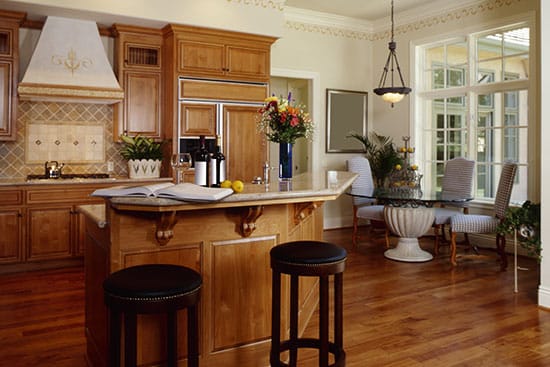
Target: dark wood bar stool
{"x": 149, "y": 289}
{"x": 313, "y": 259}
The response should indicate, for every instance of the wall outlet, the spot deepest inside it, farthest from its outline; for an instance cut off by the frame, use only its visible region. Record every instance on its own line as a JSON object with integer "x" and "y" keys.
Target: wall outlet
{"x": 110, "y": 166}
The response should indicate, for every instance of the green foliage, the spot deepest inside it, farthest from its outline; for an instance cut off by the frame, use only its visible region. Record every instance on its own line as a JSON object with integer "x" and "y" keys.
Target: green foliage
{"x": 140, "y": 147}
{"x": 381, "y": 153}
{"x": 526, "y": 220}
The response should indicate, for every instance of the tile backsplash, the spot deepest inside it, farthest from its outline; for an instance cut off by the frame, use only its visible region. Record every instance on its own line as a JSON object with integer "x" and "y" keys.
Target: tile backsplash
{"x": 77, "y": 134}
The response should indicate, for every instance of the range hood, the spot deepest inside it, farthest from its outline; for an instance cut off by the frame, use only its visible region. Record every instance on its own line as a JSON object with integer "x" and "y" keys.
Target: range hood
{"x": 69, "y": 64}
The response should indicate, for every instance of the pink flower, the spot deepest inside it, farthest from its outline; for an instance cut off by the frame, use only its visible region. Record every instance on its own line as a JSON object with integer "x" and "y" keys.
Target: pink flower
{"x": 295, "y": 121}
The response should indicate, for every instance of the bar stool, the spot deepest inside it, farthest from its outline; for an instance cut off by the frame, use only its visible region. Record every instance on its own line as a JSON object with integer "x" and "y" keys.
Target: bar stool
{"x": 148, "y": 289}
{"x": 308, "y": 258}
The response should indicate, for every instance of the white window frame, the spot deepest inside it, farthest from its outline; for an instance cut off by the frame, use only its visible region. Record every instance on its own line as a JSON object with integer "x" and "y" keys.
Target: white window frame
{"x": 419, "y": 96}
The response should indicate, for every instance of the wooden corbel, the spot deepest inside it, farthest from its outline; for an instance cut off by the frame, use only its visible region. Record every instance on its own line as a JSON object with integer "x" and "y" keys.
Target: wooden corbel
{"x": 303, "y": 210}
{"x": 165, "y": 227}
{"x": 249, "y": 215}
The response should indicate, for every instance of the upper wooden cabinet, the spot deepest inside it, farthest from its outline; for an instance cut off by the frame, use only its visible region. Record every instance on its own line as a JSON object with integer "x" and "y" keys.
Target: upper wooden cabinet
{"x": 138, "y": 67}
{"x": 210, "y": 53}
{"x": 9, "y": 66}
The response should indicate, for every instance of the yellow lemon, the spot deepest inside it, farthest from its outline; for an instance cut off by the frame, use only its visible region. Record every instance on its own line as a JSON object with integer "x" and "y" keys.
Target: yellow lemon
{"x": 398, "y": 167}
{"x": 226, "y": 184}
{"x": 411, "y": 150}
{"x": 414, "y": 167}
{"x": 237, "y": 186}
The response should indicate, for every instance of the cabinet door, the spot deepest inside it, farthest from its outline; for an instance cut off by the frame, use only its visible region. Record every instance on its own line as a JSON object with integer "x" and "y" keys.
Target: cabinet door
{"x": 10, "y": 240}
{"x": 201, "y": 58}
{"x": 245, "y": 147}
{"x": 49, "y": 233}
{"x": 197, "y": 119}
{"x": 7, "y": 129}
{"x": 142, "y": 104}
{"x": 249, "y": 63}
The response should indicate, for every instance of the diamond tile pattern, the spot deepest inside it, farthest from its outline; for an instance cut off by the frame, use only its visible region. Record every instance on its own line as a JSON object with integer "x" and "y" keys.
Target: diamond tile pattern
{"x": 89, "y": 124}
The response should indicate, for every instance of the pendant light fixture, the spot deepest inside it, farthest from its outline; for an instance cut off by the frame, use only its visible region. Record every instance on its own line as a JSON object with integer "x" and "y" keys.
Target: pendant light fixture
{"x": 392, "y": 93}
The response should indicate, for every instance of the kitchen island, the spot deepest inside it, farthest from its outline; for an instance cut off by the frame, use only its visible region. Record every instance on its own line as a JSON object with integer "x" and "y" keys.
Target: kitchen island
{"x": 228, "y": 242}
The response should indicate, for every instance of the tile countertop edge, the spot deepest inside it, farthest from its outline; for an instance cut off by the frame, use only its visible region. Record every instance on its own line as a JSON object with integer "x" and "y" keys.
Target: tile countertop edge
{"x": 94, "y": 211}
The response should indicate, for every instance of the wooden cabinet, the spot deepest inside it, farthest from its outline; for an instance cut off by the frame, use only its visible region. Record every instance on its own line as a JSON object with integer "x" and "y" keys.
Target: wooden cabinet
{"x": 197, "y": 119}
{"x": 210, "y": 53}
{"x": 246, "y": 158}
{"x": 11, "y": 219}
{"x": 9, "y": 66}
{"x": 138, "y": 67}
{"x": 49, "y": 233}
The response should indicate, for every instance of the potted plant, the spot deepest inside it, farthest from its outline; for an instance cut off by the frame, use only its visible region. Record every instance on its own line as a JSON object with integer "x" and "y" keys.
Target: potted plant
{"x": 382, "y": 155}
{"x": 144, "y": 156}
{"x": 526, "y": 221}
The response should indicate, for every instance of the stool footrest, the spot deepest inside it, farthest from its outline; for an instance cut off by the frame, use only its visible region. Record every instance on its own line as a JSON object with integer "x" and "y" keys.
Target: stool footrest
{"x": 339, "y": 353}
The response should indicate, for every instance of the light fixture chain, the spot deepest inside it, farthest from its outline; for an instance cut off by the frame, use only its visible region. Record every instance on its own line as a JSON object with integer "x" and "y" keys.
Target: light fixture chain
{"x": 392, "y": 20}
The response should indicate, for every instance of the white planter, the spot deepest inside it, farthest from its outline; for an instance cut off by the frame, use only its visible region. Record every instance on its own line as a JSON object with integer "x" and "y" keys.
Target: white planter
{"x": 144, "y": 168}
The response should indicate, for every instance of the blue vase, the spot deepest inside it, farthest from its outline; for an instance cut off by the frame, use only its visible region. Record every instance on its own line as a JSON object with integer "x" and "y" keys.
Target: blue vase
{"x": 285, "y": 161}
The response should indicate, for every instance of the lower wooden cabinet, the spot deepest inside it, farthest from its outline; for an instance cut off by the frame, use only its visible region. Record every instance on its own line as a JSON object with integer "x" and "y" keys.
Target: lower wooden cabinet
{"x": 11, "y": 241}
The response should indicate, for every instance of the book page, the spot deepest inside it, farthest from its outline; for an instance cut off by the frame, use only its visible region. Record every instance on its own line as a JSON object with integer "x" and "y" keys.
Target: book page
{"x": 138, "y": 191}
{"x": 191, "y": 192}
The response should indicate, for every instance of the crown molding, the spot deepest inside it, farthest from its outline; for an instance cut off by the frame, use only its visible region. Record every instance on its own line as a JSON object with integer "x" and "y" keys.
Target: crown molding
{"x": 326, "y": 20}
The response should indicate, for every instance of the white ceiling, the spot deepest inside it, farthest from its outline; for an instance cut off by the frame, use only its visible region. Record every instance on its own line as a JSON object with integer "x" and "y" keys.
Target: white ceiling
{"x": 369, "y": 10}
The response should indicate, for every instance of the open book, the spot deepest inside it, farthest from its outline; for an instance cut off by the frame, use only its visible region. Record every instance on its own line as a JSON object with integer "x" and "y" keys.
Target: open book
{"x": 184, "y": 191}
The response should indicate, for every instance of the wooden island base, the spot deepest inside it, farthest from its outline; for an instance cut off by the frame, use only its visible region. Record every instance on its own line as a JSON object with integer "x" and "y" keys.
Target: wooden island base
{"x": 228, "y": 242}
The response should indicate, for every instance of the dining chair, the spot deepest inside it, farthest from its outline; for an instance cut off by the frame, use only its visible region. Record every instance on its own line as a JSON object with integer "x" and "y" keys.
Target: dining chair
{"x": 457, "y": 180}
{"x": 365, "y": 208}
{"x": 476, "y": 223}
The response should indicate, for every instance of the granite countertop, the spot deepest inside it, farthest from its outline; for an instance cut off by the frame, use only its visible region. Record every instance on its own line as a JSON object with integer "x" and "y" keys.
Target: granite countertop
{"x": 323, "y": 185}
{"x": 96, "y": 212}
{"x": 116, "y": 180}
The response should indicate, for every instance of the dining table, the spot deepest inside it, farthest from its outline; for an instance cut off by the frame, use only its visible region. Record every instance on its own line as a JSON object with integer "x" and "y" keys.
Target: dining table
{"x": 409, "y": 214}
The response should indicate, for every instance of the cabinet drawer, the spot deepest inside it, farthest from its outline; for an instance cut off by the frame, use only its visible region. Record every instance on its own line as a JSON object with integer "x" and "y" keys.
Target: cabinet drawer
{"x": 61, "y": 195}
{"x": 11, "y": 197}
{"x": 226, "y": 91}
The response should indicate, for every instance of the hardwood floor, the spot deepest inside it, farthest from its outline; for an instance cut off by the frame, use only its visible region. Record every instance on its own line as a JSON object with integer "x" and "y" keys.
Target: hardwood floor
{"x": 395, "y": 314}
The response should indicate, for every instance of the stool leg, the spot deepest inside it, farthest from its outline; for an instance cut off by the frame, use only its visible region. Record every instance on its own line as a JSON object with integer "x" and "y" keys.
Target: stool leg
{"x": 172, "y": 338}
{"x": 338, "y": 312}
{"x": 114, "y": 338}
{"x": 192, "y": 337}
{"x": 323, "y": 321}
{"x": 294, "y": 295}
{"x": 130, "y": 340}
{"x": 274, "y": 355}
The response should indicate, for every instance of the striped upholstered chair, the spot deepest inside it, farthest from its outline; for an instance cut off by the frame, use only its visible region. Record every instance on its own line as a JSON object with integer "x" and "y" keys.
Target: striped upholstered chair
{"x": 365, "y": 208}
{"x": 469, "y": 223}
{"x": 457, "y": 180}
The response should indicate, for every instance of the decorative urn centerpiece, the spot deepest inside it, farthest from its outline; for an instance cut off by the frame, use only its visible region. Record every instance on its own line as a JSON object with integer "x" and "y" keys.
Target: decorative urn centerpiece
{"x": 284, "y": 123}
{"x": 144, "y": 156}
{"x": 405, "y": 177}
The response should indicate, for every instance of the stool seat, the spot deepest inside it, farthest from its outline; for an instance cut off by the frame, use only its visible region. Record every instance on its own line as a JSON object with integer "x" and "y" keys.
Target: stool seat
{"x": 308, "y": 258}
{"x": 308, "y": 252}
{"x": 147, "y": 289}
{"x": 152, "y": 281}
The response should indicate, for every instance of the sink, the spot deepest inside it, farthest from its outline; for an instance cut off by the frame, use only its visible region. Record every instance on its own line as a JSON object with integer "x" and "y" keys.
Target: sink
{"x": 71, "y": 176}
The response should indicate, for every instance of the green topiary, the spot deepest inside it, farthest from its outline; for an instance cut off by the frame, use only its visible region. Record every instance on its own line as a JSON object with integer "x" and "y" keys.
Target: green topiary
{"x": 140, "y": 147}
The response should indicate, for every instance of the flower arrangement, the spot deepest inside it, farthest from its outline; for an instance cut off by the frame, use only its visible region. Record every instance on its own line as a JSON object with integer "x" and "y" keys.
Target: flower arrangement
{"x": 283, "y": 123}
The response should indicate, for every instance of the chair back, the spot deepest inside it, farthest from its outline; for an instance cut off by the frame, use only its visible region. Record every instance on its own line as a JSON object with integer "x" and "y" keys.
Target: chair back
{"x": 364, "y": 183}
{"x": 459, "y": 177}
{"x": 504, "y": 190}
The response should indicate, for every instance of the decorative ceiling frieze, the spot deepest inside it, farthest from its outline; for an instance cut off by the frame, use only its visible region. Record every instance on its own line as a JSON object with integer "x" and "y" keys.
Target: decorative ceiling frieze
{"x": 273, "y": 4}
{"x": 445, "y": 17}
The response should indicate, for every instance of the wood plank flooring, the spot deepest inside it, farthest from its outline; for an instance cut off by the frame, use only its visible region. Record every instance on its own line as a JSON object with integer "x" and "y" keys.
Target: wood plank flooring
{"x": 395, "y": 314}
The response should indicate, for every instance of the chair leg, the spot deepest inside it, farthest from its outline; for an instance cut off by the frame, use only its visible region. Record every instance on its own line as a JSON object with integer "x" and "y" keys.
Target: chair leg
{"x": 453, "y": 248}
{"x": 437, "y": 227}
{"x": 387, "y": 237}
{"x": 354, "y": 235}
{"x": 501, "y": 250}
{"x": 114, "y": 338}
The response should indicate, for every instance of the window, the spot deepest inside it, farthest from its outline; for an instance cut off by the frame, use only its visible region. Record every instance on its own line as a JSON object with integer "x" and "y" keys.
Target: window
{"x": 474, "y": 103}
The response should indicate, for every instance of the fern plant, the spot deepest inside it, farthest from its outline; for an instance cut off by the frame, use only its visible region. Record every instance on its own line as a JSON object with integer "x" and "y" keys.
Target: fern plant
{"x": 526, "y": 221}
{"x": 140, "y": 147}
{"x": 381, "y": 153}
